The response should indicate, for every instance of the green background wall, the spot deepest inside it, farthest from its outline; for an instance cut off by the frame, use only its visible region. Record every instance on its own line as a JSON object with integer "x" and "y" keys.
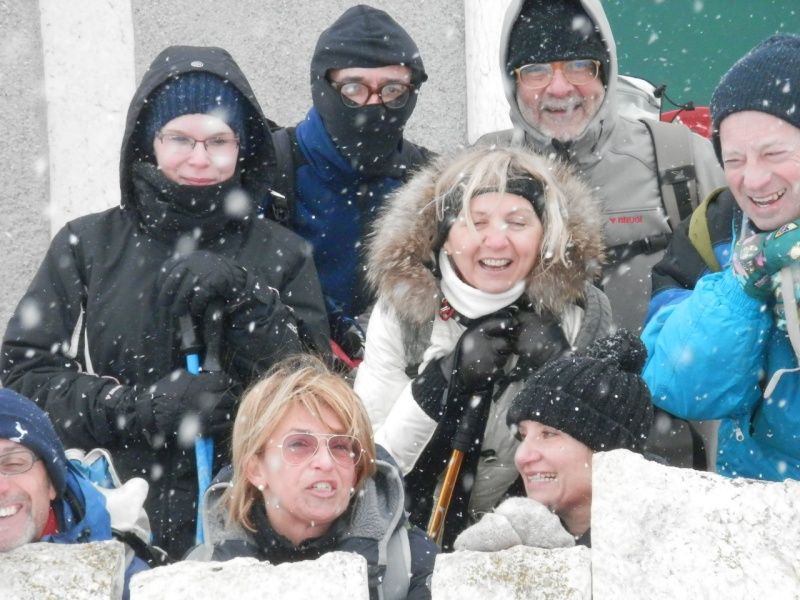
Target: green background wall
{"x": 690, "y": 44}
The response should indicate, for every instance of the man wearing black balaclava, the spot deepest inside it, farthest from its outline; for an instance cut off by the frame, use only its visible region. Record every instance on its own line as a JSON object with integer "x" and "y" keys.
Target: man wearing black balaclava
{"x": 349, "y": 152}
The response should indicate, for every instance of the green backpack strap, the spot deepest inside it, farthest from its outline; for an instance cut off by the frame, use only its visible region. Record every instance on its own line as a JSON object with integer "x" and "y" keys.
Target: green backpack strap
{"x": 699, "y": 235}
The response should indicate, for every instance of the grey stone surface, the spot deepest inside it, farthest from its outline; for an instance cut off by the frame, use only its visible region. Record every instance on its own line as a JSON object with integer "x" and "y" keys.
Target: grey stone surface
{"x": 92, "y": 571}
{"x": 514, "y": 574}
{"x": 334, "y": 576}
{"x": 663, "y": 533}
{"x": 24, "y": 193}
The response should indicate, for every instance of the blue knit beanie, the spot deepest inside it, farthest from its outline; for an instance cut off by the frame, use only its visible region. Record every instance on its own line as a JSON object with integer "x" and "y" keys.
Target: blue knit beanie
{"x": 23, "y": 422}
{"x": 766, "y": 79}
{"x": 194, "y": 93}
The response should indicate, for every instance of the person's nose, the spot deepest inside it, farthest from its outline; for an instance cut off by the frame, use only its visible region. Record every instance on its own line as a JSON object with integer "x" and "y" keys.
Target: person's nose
{"x": 323, "y": 459}
{"x": 199, "y": 156}
{"x": 755, "y": 176}
{"x": 559, "y": 85}
{"x": 496, "y": 237}
{"x": 527, "y": 453}
{"x": 373, "y": 97}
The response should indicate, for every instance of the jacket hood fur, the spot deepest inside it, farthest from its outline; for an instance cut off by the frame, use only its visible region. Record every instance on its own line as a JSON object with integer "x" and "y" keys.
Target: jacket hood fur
{"x": 401, "y": 263}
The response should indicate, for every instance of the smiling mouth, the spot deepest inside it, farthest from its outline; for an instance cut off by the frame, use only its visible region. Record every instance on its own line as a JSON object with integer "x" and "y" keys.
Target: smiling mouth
{"x": 8, "y": 511}
{"x": 767, "y": 200}
{"x": 541, "y": 477}
{"x": 495, "y": 263}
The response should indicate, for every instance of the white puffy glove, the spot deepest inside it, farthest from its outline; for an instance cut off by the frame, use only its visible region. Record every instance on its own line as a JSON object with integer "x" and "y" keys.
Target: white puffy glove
{"x": 535, "y": 524}
{"x": 517, "y": 521}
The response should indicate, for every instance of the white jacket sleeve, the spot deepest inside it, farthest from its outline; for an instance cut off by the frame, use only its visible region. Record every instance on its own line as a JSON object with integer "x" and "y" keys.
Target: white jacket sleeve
{"x": 400, "y": 425}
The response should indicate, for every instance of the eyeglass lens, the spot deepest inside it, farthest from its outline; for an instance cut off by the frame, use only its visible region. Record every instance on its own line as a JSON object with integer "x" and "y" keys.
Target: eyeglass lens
{"x": 13, "y": 463}
{"x": 393, "y": 95}
{"x": 577, "y": 72}
{"x": 182, "y": 144}
{"x": 297, "y": 448}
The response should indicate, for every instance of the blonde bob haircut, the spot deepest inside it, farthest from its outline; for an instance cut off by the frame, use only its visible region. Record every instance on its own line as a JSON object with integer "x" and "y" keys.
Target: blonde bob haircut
{"x": 301, "y": 380}
{"x": 491, "y": 168}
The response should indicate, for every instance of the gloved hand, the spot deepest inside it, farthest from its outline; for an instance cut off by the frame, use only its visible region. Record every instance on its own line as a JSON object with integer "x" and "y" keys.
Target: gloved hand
{"x": 516, "y": 521}
{"x": 209, "y": 396}
{"x": 756, "y": 258}
{"x": 188, "y": 283}
{"x": 540, "y": 340}
{"x": 478, "y": 359}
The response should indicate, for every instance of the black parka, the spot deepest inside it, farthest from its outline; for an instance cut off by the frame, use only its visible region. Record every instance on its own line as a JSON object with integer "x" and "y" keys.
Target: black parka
{"x": 91, "y": 321}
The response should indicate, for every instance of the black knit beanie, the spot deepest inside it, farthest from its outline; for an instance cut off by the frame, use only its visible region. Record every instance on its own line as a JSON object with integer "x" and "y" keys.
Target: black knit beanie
{"x": 554, "y": 30}
{"x": 598, "y": 398}
{"x": 766, "y": 79}
{"x": 194, "y": 93}
{"x": 23, "y": 422}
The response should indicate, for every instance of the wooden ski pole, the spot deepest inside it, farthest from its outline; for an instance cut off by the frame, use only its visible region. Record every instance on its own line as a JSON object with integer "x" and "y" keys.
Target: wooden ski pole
{"x": 462, "y": 440}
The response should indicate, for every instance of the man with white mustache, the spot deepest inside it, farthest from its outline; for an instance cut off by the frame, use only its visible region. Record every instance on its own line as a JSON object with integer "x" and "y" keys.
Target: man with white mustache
{"x": 559, "y": 70}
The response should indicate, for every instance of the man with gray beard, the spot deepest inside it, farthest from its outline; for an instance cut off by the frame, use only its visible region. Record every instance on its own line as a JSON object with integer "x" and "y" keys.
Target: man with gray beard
{"x": 559, "y": 67}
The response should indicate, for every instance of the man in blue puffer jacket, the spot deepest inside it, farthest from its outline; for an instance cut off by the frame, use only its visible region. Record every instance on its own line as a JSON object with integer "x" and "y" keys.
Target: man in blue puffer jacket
{"x": 720, "y": 344}
{"x": 349, "y": 153}
{"x": 43, "y": 497}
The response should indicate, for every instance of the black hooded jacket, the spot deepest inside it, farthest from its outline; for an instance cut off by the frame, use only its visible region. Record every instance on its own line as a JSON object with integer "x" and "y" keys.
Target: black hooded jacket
{"x": 91, "y": 321}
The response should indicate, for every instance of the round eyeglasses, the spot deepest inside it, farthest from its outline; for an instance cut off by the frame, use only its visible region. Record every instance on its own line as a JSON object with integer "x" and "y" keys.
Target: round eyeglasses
{"x": 17, "y": 462}
{"x": 297, "y": 448}
{"x": 182, "y": 144}
{"x": 539, "y": 75}
{"x": 355, "y": 94}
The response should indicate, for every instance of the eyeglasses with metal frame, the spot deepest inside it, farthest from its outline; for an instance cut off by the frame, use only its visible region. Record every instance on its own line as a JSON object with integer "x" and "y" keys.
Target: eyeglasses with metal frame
{"x": 17, "y": 462}
{"x": 355, "y": 94}
{"x": 539, "y": 75}
{"x": 297, "y": 448}
{"x": 183, "y": 144}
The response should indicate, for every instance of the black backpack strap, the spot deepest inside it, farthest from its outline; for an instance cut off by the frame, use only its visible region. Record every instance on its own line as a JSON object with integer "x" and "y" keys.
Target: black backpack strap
{"x": 282, "y": 197}
{"x": 677, "y": 176}
{"x": 649, "y": 245}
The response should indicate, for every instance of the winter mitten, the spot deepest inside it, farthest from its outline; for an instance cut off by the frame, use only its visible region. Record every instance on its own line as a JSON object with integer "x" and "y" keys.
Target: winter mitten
{"x": 478, "y": 359}
{"x": 534, "y": 524}
{"x": 491, "y": 534}
{"x": 758, "y": 257}
{"x": 540, "y": 340}
{"x": 189, "y": 283}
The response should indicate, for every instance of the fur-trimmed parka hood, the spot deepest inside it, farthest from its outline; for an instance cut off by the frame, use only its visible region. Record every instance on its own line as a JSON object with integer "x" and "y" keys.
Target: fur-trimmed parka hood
{"x": 402, "y": 248}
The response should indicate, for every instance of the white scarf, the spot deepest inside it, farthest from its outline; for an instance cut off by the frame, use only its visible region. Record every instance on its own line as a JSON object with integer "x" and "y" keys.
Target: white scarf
{"x": 469, "y": 301}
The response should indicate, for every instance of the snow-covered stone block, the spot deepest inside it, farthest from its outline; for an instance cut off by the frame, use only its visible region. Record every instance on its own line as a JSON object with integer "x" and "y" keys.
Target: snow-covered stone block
{"x": 663, "y": 532}
{"x": 334, "y": 576}
{"x": 520, "y": 572}
{"x": 91, "y": 571}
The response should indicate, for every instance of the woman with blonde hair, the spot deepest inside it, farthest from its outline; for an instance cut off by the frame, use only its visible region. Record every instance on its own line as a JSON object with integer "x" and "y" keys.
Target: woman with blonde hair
{"x": 483, "y": 265}
{"x": 305, "y": 480}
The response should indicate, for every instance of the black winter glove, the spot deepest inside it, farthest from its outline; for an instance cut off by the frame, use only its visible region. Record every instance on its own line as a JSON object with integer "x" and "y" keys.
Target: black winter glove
{"x": 188, "y": 283}
{"x": 478, "y": 359}
{"x": 162, "y": 407}
{"x": 540, "y": 340}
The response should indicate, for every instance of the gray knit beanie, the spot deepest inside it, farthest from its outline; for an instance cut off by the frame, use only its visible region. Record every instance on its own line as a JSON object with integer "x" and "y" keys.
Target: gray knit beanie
{"x": 766, "y": 79}
{"x": 598, "y": 398}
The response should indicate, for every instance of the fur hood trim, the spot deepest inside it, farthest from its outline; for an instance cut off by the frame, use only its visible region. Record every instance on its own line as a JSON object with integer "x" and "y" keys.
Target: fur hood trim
{"x": 401, "y": 263}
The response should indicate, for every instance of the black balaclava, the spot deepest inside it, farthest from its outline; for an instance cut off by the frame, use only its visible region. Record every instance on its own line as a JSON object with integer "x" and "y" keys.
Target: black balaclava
{"x": 364, "y": 37}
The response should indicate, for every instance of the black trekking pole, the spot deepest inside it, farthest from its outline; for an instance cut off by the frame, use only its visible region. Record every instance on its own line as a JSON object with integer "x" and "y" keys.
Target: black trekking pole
{"x": 462, "y": 440}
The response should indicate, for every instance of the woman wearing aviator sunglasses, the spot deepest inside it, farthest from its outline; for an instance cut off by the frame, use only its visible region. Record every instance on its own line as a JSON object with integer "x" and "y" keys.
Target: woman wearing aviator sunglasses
{"x": 305, "y": 480}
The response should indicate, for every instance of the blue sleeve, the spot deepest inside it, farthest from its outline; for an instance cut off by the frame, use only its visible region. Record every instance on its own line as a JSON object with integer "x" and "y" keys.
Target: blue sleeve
{"x": 137, "y": 566}
{"x": 706, "y": 353}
